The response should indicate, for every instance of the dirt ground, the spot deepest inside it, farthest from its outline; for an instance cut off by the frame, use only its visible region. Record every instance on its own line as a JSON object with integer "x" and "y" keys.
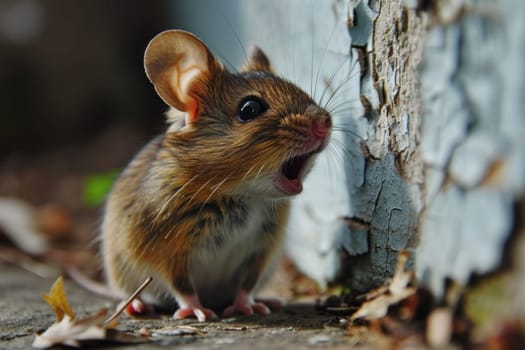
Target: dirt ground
{"x": 297, "y": 326}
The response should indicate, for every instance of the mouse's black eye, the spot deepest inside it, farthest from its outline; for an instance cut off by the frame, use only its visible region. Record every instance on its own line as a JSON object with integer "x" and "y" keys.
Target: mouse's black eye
{"x": 250, "y": 108}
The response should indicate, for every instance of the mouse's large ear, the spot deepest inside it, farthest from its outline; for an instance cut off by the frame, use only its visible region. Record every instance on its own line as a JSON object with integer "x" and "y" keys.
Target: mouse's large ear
{"x": 256, "y": 61}
{"x": 179, "y": 65}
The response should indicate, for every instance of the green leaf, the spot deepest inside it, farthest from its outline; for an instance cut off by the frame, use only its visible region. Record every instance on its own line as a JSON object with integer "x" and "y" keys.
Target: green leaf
{"x": 97, "y": 186}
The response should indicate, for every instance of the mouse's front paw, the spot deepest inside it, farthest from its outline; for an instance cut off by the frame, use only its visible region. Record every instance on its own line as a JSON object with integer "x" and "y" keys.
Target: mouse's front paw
{"x": 202, "y": 314}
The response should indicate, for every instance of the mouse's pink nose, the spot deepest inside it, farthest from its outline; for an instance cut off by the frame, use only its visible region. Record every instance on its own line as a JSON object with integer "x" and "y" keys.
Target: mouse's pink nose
{"x": 321, "y": 127}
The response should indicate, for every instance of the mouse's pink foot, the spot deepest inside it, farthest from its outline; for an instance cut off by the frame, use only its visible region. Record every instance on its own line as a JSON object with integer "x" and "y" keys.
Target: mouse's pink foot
{"x": 190, "y": 306}
{"x": 274, "y": 304}
{"x": 137, "y": 308}
{"x": 247, "y": 309}
{"x": 245, "y": 304}
{"x": 201, "y": 314}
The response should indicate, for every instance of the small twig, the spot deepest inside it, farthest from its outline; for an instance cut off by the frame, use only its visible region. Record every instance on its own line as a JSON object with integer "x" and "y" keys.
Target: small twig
{"x": 128, "y": 301}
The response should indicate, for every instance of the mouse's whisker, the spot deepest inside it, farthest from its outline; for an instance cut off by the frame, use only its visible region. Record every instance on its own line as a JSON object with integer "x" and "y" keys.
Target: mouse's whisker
{"x": 335, "y": 164}
{"x": 328, "y": 83}
{"x": 293, "y": 41}
{"x": 215, "y": 189}
{"x": 235, "y": 33}
{"x": 321, "y": 64}
{"x": 172, "y": 197}
{"x": 346, "y": 130}
{"x": 347, "y": 89}
{"x": 260, "y": 170}
{"x": 348, "y": 107}
{"x": 204, "y": 185}
{"x": 339, "y": 154}
{"x": 347, "y": 101}
{"x": 342, "y": 84}
{"x": 339, "y": 147}
{"x": 247, "y": 173}
{"x": 312, "y": 45}
{"x": 230, "y": 66}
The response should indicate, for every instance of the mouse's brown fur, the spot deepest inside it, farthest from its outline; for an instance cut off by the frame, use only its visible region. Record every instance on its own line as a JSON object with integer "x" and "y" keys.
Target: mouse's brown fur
{"x": 202, "y": 208}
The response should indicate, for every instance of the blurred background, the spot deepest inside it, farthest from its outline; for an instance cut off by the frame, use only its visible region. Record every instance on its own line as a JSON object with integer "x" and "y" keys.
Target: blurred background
{"x": 75, "y": 105}
{"x": 74, "y": 102}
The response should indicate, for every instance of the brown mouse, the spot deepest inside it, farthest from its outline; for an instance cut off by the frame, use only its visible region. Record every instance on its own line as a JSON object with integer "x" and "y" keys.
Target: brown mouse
{"x": 202, "y": 208}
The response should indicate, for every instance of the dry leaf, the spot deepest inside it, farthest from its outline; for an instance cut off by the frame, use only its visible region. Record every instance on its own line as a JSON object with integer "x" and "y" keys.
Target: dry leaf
{"x": 378, "y": 301}
{"x": 70, "y": 332}
{"x": 57, "y": 299}
{"x": 67, "y": 330}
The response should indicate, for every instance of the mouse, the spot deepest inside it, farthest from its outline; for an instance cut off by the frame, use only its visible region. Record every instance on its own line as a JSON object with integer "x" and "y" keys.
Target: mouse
{"x": 202, "y": 208}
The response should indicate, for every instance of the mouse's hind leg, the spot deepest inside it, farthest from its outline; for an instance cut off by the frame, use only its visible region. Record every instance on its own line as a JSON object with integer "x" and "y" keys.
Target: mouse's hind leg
{"x": 246, "y": 304}
{"x": 187, "y": 298}
{"x": 244, "y": 301}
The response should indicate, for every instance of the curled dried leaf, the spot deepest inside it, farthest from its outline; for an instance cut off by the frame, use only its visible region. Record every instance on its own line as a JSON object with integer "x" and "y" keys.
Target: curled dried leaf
{"x": 378, "y": 301}
{"x": 57, "y": 299}
{"x": 70, "y": 332}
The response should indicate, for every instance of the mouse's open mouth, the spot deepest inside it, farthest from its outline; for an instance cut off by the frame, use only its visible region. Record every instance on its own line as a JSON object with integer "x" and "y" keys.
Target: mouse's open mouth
{"x": 292, "y": 172}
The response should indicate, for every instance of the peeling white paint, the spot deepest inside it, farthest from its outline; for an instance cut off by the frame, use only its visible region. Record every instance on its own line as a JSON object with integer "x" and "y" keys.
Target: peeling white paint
{"x": 472, "y": 159}
{"x": 470, "y": 217}
{"x": 463, "y": 232}
{"x": 361, "y": 34}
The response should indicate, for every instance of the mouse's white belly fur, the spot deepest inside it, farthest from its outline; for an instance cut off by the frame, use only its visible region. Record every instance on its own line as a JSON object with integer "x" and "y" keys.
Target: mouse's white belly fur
{"x": 217, "y": 271}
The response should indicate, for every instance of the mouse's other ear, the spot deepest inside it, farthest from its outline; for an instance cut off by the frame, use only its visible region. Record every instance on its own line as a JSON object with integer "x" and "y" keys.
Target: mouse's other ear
{"x": 256, "y": 61}
{"x": 179, "y": 65}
